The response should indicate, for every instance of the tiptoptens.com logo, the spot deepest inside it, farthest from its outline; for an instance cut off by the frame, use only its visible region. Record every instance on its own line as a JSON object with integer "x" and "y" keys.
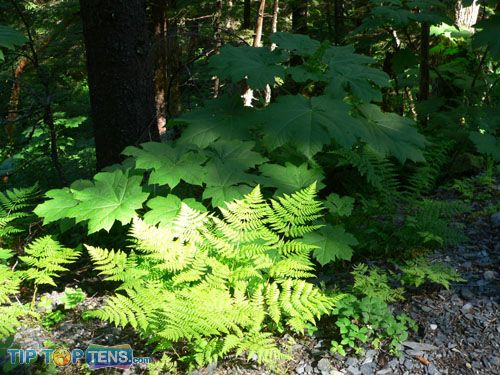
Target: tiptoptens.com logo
{"x": 96, "y": 356}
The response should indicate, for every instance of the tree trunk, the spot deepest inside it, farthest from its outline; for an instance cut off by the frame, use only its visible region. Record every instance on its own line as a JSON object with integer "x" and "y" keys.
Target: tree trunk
{"x": 299, "y": 16}
{"x": 339, "y": 21}
{"x": 247, "y": 14}
{"x": 217, "y": 40}
{"x": 257, "y": 39}
{"x": 229, "y": 13}
{"x": 424, "y": 62}
{"x": 159, "y": 19}
{"x": 466, "y": 17}
{"x": 174, "y": 103}
{"x": 120, "y": 75}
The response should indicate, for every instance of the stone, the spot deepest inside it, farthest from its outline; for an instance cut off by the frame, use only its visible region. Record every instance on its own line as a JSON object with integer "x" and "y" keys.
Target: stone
{"x": 385, "y": 371}
{"x": 466, "y": 308}
{"x": 490, "y": 275}
{"x": 414, "y": 352}
{"x": 370, "y": 355}
{"x": 408, "y": 364}
{"x": 300, "y": 369}
{"x": 433, "y": 327}
{"x": 419, "y": 346}
{"x": 352, "y": 370}
{"x": 336, "y": 372}
{"x": 351, "y": 361}
{"x": 324, "y": 366}
{"x": 432, "y": 370}
{"x": 368, "y": 368}
{"x": 466, "y": 293}
{"x": 211, "y": 368}
{"x": 495, "y": 219}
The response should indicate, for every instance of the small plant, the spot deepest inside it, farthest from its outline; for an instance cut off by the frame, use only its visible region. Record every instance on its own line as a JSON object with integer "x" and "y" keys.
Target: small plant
{"x": 72, "y": 298}
{"x": 373, "y": 282}
{"x": 220, "y": 284}
{"x": 418, "y": 271}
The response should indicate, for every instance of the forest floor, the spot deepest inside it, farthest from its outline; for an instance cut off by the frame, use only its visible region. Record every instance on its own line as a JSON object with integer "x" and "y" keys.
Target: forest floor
{"x": 459, "y": 329}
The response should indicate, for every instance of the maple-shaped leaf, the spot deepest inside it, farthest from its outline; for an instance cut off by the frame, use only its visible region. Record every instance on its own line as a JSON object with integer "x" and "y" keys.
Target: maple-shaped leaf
{"x": 307, "y": 124}
{"x": 225, "y": 183}
{"x": 165, "y": 209}
{"x": 258, "y": 65}
{"x": 57, "y": 207}
{"x": 332, "y": 242}
{"x": 290, "y": 178}
{"x": 486, "y": 144}
{"x": 339, "y": 206}
{"x": 389, "y": 133}
{"x": 351, "y": 71}
{"x": 489, "y": 35}
{"x": 9, "y": 38}
{"x": 222, "y": 118}
{"x": 170, "y": 164}
{"x": 298, "y": 43}
{"x": 113, "y": 196}
{"x": 236, "y": 154}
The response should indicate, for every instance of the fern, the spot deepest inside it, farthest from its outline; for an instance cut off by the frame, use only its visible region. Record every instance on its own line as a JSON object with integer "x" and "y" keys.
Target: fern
{"x": 45, "y": 259}
{"x": 219, "y": 282}
{"x": 13, "y": 204}
{"x": 420, "y": 270}
{"x": 374, "y": 283}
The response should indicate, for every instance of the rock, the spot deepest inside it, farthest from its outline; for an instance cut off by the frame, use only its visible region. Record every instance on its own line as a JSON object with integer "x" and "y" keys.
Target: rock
{"x": 300, "y": 369}
{"x": 414, "y": 352}
{"x": 370, "y": 355}
{"x": 490, "y": 275}
{"x": 309, "y": 369}
{"x": 368, "y": 368}
{"x": 466, "y": 293}
{"x": 351, "y": 361}
{"x": 432, "y": 370}
{"x": 211, "y": 368}
{"x": 408, "y": 364}
{"x": 419, "y": 346}
{"x": 385, "y": 371}
{"x": 466, "y": 308}
{"x": 352, "y": 370}
{"x": 495, "y": 219}
{"x": 324, "y": 366}
{"x": 336, "y": 372}
{"x": 433, "y": 327}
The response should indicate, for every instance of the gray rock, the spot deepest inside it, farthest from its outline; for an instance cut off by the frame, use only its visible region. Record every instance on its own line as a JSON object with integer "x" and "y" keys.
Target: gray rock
{"x": 368, "y": 369}
{"x": 385, "y": 371}
{"x": 309, "y": 369}
{"x": 324, "y": 366}
{"x": 466, "y": 293}
{"x": 413, "y": 353}
{"x": 419, "y": 346}
{"x": 336, "y": 372}
{"x": 466, "y": 308}
{"x": 495, "y": 219}
{"x": 432, "y": 370}
{"x": 211, "y": 368}
{"x": 490, "y": 275}
{"x": 301, "y": 369}
{"x": 408, "y": 364}
{"x": 433, "y": 327}
{"x": 351, "y": 361}
{"x": 370, "y": 355}
{"x": 353, "y": 370}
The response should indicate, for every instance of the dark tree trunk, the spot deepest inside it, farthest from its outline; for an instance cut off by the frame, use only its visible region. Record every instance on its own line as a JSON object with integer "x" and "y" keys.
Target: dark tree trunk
{"x": 424, "y": 62}
{"x": 174, "y": 104}
{"x": 120, "y": 75}
{"x": 299, "y": 17}
{"x": 159, "y": 19}
{"x": 247, "y": 14}
{"x": 339, "y": 21}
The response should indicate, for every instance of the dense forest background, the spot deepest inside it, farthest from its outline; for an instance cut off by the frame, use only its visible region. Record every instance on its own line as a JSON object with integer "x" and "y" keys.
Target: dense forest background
{"x": 266, "y": 167}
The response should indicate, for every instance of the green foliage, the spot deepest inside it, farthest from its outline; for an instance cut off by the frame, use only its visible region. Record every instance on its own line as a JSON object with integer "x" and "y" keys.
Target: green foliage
{"x": 10, "y": 38}
{"x": 72, "y": 297}
{"x": 45, "y": 259}
{"x": 220, "y": 283}
{"x": 13, "y": 208}
{"x": 332, "y": 243}
{"x": 418, "y": 271}
{"x": 488, "y": 35}
{"x": 368, "y": 322}
{"x": 374, "y": 283}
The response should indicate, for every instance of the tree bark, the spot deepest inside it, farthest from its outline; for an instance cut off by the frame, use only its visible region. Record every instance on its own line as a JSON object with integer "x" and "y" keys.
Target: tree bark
{"x": 257, "y": 39}
{"x": 466, "y": 17}
{"x": 247, "y": 14}
{"x": 217, "y": 40}
{"x": 339, "y": 21}
{"x": 299, "y": 16}
{"x": 159, "y": 19}
{"x": 424, "y": 62}
{"x": 174, "y": 103}
{"x": 120, "y": 75}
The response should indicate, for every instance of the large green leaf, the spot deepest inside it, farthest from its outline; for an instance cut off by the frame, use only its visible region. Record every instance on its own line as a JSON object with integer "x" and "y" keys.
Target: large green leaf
{"x": 57, "y": 207}
{"x": 257, "y": 65}
{"x": 332, "y": 242}
{"x": 113, "y": 196}
{"x": 339, "y": 206}
{"x": 290, "y": 178}
{"x": 165, "y": 209}
{"x": 389, "y": 133}
{"x": 222, "y": 118}
{"x": 486, "y": 144}
{"x": 489, "y": 35}
{"x": 9, "y": 38}
{"x": 307, "y": 124}
{"x": 298, "y": 43}
{"x": 170, "y": 164}
{"x": 236, "y": 154}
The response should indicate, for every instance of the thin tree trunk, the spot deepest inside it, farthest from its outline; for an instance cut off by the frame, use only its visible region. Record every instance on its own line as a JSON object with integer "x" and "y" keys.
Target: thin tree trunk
{"x": 466, "y": 17}
{"x": 257, "y": 39}
{"x": 217, "y": 40}
{"x": 120, "y": 74}
{"x": 159, "y": 15}
{"x": 174, "y": 103}
{"x": 247, "y": 14}
{"x": 276, "y": 10}
{"x": 339, "y": 21}
{"x": 299, "y": 16}
{"x": 424, "y": 62}
{"x": 229, "y": 18}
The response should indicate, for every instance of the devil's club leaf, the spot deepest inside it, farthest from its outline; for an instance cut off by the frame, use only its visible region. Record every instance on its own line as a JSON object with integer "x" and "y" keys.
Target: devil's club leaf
{"x": 332, "y": 243}
{"x": 298, "y": 43}
{"x": 169, "y": 164}
{"x": 225, "y": 118}
{"x": 339, "y": 206}
{"x": 486, "y": 144}
{"x": 114, "y": 196}
{"x": 9, "y": 38}
{"x": 290, "y": 178}
{"x": 389, "y": 133}
{"x": 307, "y": 124}
{"x": 165, "y": 209}
{"x": 257, "y": 65}
{"x": 56, "y": 208}
{"x": 489, "y": 35}
{"x": 237, "y": 154}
